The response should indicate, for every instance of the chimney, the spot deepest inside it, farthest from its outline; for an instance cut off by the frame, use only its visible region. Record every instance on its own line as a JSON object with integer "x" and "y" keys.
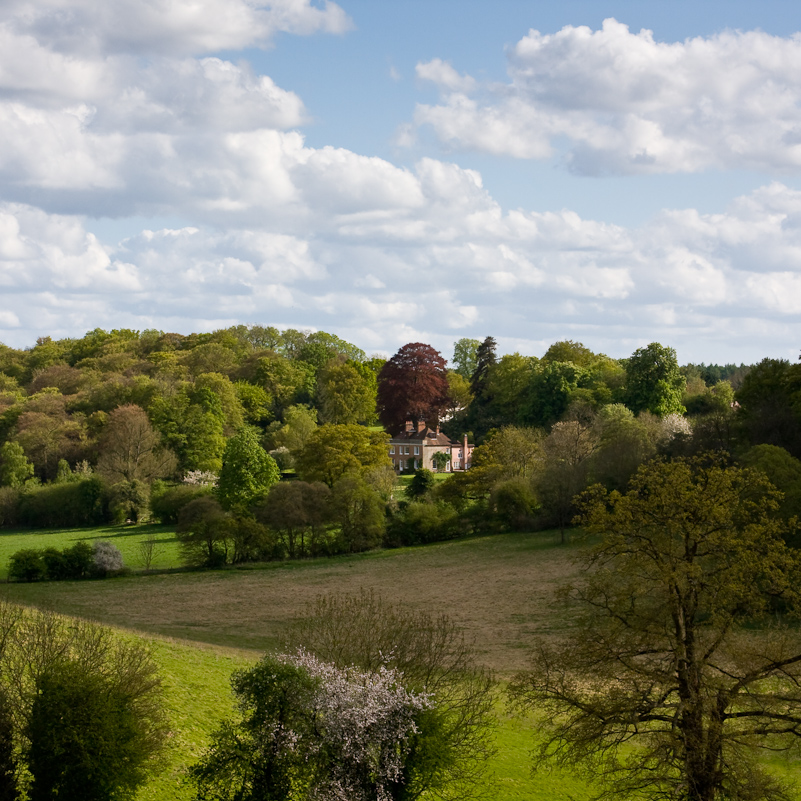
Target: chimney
{"x": 421, "y": 426}
{"x": 409, "y": 425}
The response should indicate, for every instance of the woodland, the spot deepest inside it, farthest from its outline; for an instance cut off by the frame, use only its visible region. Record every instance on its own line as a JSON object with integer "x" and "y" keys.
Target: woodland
{"x": 677, "y": 486}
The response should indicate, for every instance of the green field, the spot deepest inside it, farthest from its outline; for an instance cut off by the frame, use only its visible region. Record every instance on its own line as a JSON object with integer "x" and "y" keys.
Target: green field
{"x": 127, "y": 538}
{"x": 203, "y": 625}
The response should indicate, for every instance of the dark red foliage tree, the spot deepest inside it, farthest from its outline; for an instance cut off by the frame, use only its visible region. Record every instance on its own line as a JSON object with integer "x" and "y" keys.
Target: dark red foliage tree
{"x": 412, "y": 385}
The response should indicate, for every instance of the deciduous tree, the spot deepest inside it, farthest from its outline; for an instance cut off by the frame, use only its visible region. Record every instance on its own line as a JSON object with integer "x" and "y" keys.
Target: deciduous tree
{"x": 331, "y": 451}
{"x": 654, "y": 381}
{"x": 130, "y": 450}
{"x": 412, "y": 385}
{"x": 248, "y": 471}
{"x": 667, "y": 689}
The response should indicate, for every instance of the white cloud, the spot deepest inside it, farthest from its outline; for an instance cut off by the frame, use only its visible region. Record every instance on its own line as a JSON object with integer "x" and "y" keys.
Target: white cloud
{"x": 167, "y": 26}
{"x": 626, "y": 103}
{"x": 535, "y": 277}
{"x": 444, "y": 75}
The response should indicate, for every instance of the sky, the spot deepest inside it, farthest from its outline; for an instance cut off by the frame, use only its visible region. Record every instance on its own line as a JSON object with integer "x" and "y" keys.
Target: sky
{"x": 615, "y": 173}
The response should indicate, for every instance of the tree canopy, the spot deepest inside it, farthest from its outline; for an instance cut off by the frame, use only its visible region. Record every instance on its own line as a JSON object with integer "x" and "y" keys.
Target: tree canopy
{"x": 663, "y": 691}
{"x": 412, "y": 385}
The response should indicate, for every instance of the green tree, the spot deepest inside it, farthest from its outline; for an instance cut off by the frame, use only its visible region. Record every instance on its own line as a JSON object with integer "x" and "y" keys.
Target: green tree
{"x": 85, "y": 739}
{"x": 664, "y": 689}
{"x": 298, "y": 512}
{"x": 86, "y": 706}
{"x": 359, "y": 511}
{"x": 465, "y": 357}
{"x": 346, "y": 394}
{"x": 421, "y": 484}
{"x": 248, "y": 471}
{"x": 332, "y": 451}
{"x": 15, "y": 469}
{"x": 654, "y": 381}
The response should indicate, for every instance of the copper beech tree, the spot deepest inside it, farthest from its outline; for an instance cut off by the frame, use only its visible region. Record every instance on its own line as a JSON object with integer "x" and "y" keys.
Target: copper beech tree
{"x": 686, "y": 660}
{"x": 412, "y": 385}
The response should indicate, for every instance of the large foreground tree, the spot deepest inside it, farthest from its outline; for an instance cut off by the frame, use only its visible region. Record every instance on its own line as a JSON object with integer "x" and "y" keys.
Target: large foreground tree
{"x": 687, "y": 659}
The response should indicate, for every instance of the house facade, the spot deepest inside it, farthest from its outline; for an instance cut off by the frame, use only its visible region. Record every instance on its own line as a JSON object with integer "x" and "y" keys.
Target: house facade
{"x": 415, "y": 446}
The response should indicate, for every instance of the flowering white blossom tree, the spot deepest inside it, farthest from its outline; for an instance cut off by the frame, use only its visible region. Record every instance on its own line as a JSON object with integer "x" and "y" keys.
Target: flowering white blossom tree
{"x": 314, "y": 731}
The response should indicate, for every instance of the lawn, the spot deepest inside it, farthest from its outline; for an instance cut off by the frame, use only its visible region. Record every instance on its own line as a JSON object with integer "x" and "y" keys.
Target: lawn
{"x": 127, "y": 538}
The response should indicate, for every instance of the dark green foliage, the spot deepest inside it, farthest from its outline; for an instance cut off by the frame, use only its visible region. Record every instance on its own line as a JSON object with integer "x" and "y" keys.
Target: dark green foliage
{"x": 167, "y": 503}
{"x": 298, "y": 513}
{"x": 85, "y": 740}
{"x": 204, "y": 533}
{"x": 129, "y": 500}
{"x": 68, "y": 505}
{"x": 35, "y": 564}
{"x": 421, "y": 484}
{"x": 421, "y": 522}
{"x": 769, "y": 398}
{"x": 359, "y": 511}
{"x": 551, "y": 391}
{"x": 654, "y": 381}
{"x": 27, "y": 565}
{"x": 514, "y": 503}
{"x": 253, "y": 760}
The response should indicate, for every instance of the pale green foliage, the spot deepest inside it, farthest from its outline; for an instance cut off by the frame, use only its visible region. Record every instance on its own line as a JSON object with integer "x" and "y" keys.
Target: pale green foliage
{"x": 346, "y": 393}
{"x": 465, "y": 357}
{"x": 247, "y": 472}
{"x": 299, "y": 424}
{"x": 15, "y": 469}
{"x": 332, "y": 451}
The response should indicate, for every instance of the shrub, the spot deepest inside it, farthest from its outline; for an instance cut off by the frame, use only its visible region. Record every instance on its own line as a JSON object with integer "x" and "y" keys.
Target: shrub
{"x": 106, "y": 558}
{"x": 79, "y": 560}
{"x": 27, "y": 565}
{"x": 67, "y": 505}
{"x": 420, "y": 522}
{"x": 129, "y": 500}
{"x": 9, "y": 506}
{"x": 166, "y": 504}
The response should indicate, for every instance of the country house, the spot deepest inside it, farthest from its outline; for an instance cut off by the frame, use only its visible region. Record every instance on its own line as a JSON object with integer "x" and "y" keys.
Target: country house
{"x": 415, "y": 446}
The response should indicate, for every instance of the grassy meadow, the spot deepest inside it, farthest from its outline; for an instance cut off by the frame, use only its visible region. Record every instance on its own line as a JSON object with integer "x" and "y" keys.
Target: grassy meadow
{"x": 127, "y": 538}
{"x": 203, "y": 625}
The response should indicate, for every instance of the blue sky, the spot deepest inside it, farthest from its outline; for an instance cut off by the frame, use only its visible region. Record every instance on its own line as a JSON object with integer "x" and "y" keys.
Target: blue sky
{"x": 394, "y": 172}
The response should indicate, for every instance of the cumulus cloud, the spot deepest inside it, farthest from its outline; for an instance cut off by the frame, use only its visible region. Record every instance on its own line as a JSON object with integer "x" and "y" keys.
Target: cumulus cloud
{"x": 536, "y": 277}
{"x": 166, "y": 26}
{"x": 626, "y": 103}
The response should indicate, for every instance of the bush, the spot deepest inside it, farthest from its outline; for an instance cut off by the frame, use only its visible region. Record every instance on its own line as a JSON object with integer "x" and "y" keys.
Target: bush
{"x": 68, "y": 505}
{"x": 166, "y": 504}
{"x": 9, "y": 506}
{"x": 421, "y": 522}
{"x": 79, "y": 560}
{"x": 106, "y": 559}
{"x": 129, "y": 500}
{"x": 27, "y": 565}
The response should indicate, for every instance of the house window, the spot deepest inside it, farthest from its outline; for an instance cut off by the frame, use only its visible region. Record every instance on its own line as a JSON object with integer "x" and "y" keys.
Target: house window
{"x": 392, "y": 449}
{"x": 416, "y": 450}
{"x": 447, "y": 450}
{"x": 407, "y": 449}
